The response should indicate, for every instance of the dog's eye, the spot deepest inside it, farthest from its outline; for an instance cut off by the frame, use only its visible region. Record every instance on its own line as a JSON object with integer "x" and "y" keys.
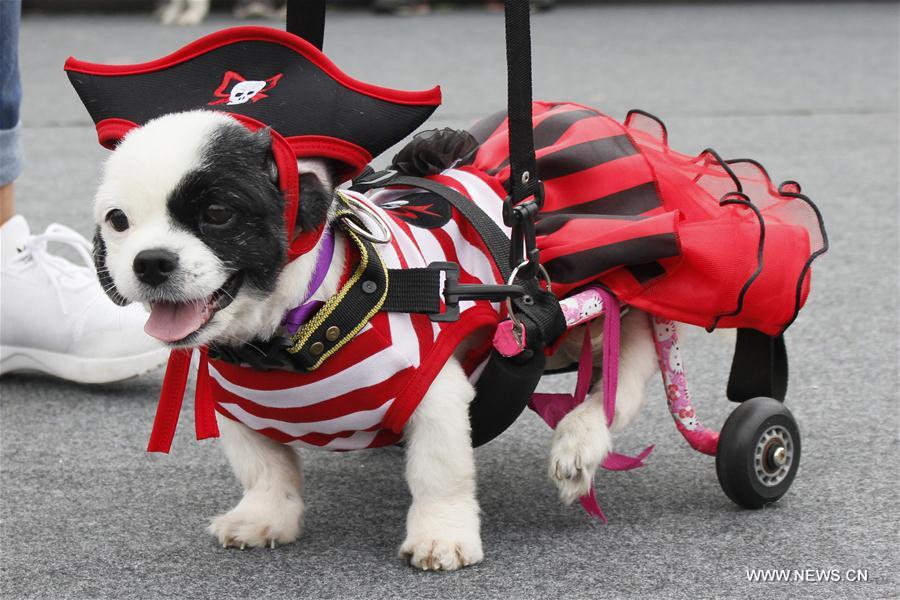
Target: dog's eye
{"x": 216, "y": 214}
{"x": 117, "y": 219}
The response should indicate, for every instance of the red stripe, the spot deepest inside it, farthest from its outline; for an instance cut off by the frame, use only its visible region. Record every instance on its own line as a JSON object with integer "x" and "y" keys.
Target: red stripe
{"x": 577, "y": 135}
{"x": 405, "y": 403}
{"x": 362, "y": 347}
{"x": 361, "y": 399}
{"x": 424, "y": 334}
{"x": 382, "y": 438}
{"x": 495, "y": 149}
{"x": 469, "y": 233}
{"x": 592, "y": 233}
{"x": 490, "y": 180}
{"x": 601, "y": 181}
{"x": 403, "y": 225}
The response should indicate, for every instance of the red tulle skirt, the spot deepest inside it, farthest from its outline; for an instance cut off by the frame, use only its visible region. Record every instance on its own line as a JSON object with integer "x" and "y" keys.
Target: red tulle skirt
{"x": 696, "y": 239}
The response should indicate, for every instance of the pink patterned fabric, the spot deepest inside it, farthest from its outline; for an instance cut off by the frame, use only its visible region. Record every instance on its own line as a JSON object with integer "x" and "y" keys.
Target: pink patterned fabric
{"x": 671, "y": 366}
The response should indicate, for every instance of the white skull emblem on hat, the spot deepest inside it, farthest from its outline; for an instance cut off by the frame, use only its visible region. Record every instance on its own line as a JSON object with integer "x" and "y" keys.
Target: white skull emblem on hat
{"x": 244, "y": 91}
{"x": 234, "y": 89}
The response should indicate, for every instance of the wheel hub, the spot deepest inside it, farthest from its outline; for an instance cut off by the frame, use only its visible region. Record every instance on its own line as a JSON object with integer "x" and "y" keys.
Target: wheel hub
{"x": 774, "y": 456}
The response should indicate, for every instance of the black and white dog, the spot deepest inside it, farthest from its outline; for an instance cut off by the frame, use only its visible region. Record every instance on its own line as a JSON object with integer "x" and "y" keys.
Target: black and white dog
{"x": 191, "y": 224}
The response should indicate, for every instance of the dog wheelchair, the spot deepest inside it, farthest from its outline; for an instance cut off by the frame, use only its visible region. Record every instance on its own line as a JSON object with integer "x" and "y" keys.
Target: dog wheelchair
{"x": 687, "y": 242}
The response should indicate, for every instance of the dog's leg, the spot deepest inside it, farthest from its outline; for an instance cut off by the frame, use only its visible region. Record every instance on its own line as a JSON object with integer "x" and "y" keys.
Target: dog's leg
{"x": 271, "y": 510}
{"x": 443, "y": 524}
{"x": 582, "y": 439}
{"x": 637, "y": 364}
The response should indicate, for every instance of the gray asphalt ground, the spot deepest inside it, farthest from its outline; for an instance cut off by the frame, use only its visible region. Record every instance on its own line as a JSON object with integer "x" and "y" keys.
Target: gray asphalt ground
{"x": 810, "y": 90}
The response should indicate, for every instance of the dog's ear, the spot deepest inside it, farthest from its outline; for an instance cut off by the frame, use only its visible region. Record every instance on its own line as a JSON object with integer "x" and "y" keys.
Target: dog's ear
{"x": 316, "y": 192}
{"x": 106, "y": 281}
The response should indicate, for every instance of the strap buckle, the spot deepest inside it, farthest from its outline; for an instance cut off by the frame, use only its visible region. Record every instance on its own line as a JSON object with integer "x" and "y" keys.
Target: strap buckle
{"x": 520, "y": 218}
{"x": 520, "y": 212}
{"x": 454, "y": 292}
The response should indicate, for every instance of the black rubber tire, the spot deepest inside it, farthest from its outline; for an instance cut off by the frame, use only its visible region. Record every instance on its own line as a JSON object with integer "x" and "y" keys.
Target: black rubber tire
{"x": 736, "y": 455}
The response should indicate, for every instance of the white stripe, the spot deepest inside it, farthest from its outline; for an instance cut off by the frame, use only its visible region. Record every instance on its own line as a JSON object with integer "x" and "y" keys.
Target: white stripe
{"x": 482, "y": 194}
{"x": 431, "y": 248}
{"x": 355, "y": 421}
{"x": 471, "y": 257}
{"x": 357, "y": 441}
{"x": 375, "y": 369}
{"x": 404, "y": 337}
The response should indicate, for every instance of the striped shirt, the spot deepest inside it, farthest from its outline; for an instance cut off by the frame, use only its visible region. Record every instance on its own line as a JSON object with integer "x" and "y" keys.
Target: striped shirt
{"x": 363, "y": 396}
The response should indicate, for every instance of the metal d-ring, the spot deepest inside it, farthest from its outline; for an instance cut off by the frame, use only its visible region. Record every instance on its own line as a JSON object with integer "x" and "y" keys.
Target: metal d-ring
{"x": 517, "y": 325}
{"x": 358, "y": 207}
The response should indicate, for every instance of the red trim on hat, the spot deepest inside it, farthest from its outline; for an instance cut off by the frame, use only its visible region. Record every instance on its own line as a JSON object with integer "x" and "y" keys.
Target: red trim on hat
{"x": 323, "y": 146}
{"x": 111, "y": 131}
{"x": 263, "y": 34}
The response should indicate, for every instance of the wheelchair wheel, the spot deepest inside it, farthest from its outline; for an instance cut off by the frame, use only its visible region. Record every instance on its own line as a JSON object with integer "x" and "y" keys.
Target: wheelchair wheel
{"x": 758, "y": 453}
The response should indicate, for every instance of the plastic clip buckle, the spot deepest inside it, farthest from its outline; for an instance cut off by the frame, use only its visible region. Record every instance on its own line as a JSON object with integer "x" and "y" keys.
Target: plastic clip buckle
{"x": 454, "y": 292}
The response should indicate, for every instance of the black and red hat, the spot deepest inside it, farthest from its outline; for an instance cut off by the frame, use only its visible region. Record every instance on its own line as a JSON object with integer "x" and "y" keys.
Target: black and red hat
{"x": 262, "y": 77}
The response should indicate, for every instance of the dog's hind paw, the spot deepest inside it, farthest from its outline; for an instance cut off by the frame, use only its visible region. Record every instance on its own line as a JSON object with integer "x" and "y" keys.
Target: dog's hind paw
{"x": 442, "y": 554}
{"x": 259, "y": 520}
{"x": 580, "y": 444}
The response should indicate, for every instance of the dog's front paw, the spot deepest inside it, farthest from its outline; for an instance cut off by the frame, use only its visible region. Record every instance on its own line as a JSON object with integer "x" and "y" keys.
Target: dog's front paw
{"x": 442, "y": 552}
{"x": 443, "y": 537}
{"x": 260, "y": 519}
{"x": 580, "y": 444}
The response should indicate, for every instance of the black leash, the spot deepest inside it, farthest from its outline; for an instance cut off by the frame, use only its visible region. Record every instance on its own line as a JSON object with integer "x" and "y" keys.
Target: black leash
{"x": 306, "y": 19}
{"x": 526, "y": 195}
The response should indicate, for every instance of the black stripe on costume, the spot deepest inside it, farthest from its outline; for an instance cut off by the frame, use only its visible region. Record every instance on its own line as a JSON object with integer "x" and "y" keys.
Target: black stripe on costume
{"x": 588, "y": 264}
{"x": 548, "y": 131}
{"x": 631, "y": 201}
{"x": 484, "y": 128}
{"x": 584, "y": 156}
{"x": 555, "y": 222}
{"x": 553, "y": 127}
{"x": 646, "y": 272}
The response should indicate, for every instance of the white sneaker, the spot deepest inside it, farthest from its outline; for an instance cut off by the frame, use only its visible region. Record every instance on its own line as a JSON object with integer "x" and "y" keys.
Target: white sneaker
{"x": 55, "y": 317}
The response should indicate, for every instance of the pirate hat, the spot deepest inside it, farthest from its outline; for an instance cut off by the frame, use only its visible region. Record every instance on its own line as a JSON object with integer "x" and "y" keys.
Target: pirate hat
{"x": 262, "y": 77}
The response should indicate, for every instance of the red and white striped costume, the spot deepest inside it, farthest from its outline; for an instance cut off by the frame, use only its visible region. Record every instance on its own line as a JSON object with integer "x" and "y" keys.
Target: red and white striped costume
{"x": 363, "y": 396}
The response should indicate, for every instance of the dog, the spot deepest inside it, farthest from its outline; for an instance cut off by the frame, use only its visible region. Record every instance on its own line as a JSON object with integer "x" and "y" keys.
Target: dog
{"x": 190, "y": 223}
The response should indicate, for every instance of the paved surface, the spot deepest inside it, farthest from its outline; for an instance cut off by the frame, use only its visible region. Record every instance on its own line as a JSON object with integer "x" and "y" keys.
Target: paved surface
{"x": 811, "y": 90}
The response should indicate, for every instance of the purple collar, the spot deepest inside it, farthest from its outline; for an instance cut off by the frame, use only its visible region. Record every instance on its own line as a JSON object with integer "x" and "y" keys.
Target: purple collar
{"x": 298, "y": 315}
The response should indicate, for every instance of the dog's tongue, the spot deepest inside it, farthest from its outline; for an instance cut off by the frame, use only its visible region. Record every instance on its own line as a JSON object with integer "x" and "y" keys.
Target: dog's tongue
{"x": 170, "y": 322}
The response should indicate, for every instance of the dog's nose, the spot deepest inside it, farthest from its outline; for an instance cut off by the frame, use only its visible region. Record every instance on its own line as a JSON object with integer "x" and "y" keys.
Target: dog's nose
{"x": 153, "y": 267}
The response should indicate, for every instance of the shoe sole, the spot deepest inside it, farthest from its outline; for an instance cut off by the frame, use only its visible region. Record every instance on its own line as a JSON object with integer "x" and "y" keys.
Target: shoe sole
{"x": 14, "y": 359}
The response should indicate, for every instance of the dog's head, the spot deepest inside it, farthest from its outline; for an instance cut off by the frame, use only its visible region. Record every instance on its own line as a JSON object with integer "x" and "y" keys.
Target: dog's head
{"x": 190, "y": 222}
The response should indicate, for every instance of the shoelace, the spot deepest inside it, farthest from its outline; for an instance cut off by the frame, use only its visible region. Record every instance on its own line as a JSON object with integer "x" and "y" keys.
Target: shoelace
{"x": 35, "y": 250}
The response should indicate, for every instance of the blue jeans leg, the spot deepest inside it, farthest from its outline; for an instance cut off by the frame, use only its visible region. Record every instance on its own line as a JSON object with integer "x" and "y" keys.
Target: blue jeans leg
{"x": 10, "y": 92}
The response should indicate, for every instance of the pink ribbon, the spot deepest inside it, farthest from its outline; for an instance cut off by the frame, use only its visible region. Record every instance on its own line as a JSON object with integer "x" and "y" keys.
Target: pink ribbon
{"x": 553, "y": 407}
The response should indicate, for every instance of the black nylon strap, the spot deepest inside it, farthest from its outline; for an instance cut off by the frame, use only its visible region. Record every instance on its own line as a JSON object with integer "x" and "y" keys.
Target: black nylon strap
{"x": 338, "y": 321}
{"x": 542, "y": 316}
{"x": 518, "y": 72}
{"x": 495, "y": 239}
{"x": 759, "y": 367}
{"x": 306, "y": 19}
{"x": 502, "y": 393}
{"x": 413, "y": 291}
